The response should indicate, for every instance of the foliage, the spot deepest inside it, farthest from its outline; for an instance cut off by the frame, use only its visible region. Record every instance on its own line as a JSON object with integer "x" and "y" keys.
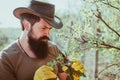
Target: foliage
{"x": 7, "y": 35}
{"x": 74, "y": 68}
{"x": 92, "y": 26}
{"x": 95, "y": 26}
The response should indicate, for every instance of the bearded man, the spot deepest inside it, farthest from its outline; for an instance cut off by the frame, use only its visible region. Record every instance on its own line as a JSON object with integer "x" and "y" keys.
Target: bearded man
{"x": 23, "y": 57}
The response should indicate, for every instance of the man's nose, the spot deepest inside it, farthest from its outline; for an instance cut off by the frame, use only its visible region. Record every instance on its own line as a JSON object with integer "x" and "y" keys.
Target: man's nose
{"x": 47, "y": 32}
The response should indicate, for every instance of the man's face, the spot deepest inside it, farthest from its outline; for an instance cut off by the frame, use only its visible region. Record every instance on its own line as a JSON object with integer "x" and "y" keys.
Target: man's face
{"x": 38, "y": 38}
{"x": 40, "y": 29}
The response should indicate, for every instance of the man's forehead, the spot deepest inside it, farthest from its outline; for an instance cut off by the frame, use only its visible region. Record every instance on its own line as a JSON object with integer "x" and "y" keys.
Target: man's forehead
{"x": 44, "y": 22}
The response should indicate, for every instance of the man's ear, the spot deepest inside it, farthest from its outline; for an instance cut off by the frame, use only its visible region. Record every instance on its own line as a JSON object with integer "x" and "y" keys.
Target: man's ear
{"x": 26, "y": 25}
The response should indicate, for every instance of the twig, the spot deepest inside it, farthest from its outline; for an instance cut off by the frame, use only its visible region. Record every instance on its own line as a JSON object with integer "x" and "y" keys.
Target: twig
{"x": 109, "y": 46}
{"x": 108, "y": 67}
{"x": 100, "y": 17}
{"x": 111, "y": 5}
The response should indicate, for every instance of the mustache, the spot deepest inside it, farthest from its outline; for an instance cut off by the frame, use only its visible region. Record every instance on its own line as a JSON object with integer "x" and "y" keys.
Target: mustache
{"x": 44, "y": 37}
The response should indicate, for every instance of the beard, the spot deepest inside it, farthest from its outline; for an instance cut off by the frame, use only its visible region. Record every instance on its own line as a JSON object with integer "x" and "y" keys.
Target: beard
{"x": 39, "y": 47}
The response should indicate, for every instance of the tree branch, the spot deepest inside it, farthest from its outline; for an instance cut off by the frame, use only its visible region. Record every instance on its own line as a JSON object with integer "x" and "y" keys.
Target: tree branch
{"x": 111, "y": 5}
{"x": 109, "y": 46}
{"x": 108, "y": 67}
{"x": 100, "y": 17}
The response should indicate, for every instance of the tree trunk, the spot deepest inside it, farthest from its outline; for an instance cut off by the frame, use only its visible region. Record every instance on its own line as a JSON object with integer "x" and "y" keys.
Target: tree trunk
{"x": 96, "y": 65}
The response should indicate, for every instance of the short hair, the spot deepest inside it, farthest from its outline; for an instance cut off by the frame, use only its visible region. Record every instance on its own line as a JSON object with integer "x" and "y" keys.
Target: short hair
{"x": 29, "y": 17}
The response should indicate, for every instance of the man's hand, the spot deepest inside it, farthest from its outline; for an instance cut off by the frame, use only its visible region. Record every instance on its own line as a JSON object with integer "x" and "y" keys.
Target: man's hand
{"x": 63, "y": 76}
{"x": 44, "y": 73}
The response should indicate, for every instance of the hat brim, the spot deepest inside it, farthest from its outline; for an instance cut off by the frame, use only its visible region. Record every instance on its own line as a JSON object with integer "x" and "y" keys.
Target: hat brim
{"x": 56, "y": 22}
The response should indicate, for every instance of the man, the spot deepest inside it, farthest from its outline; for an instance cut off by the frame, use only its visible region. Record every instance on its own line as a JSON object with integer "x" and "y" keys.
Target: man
{"x": 22, "y": 58}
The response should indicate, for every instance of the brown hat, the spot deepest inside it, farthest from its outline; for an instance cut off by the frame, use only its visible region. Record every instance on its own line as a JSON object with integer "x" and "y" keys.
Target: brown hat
{"x": 43, "y": 10}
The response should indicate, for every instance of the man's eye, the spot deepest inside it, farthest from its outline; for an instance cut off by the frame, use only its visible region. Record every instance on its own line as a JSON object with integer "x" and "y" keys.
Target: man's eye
{"x": 43, "y": 28}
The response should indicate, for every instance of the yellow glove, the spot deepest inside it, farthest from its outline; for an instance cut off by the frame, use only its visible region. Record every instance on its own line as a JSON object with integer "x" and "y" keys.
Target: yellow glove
{"x": 44, "y": 73}
{"x": 78, "y": 66}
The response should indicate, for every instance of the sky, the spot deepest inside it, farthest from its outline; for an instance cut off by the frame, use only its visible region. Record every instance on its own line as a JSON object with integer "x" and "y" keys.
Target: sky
{"x": 7, "y": 18}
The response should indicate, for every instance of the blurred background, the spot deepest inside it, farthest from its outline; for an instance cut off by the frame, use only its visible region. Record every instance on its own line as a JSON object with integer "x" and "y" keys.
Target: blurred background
{"x": 91, "y": 33}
